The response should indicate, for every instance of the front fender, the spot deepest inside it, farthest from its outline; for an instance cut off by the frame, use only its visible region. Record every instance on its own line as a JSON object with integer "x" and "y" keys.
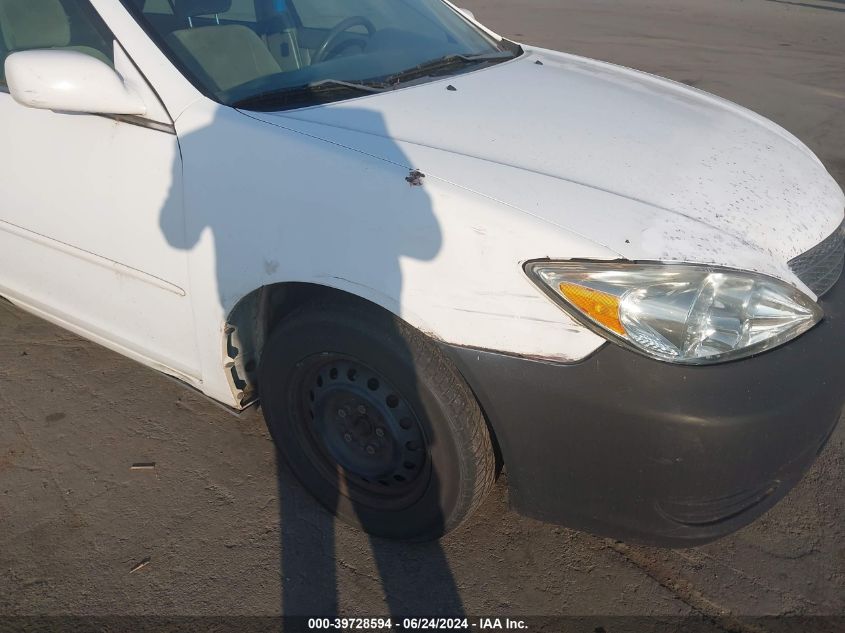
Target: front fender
{"x": 265, "y": 205}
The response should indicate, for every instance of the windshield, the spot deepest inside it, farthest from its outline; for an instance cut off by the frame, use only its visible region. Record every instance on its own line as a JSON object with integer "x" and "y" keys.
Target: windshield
{"x": 274, "y": 54}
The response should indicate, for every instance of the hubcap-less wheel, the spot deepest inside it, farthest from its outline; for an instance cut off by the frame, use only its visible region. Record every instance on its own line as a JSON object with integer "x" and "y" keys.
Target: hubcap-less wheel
{"x": 359, "y": 426}
{"x": 374, "y": 420}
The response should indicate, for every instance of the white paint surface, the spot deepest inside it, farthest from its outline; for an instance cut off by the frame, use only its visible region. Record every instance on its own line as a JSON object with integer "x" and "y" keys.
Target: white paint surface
{"x": 145, "y": 241}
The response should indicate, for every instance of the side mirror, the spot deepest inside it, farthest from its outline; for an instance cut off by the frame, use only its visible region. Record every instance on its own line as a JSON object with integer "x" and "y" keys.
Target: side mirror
{"x": 69, "y": 81}
{"x": 467, "y": 13}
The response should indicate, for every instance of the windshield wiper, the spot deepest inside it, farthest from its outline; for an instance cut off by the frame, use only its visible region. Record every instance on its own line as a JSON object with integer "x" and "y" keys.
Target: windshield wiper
{"x": 328, "y": 90}
{"x": 444, "y": 64}
{"x": 318, "y": 92}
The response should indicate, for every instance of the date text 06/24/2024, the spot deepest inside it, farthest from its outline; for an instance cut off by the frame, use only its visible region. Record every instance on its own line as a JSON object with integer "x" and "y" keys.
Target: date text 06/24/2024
{"x": 415, "y": 624}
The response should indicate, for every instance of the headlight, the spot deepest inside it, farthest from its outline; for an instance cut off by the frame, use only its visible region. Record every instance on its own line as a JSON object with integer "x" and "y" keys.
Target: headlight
{"x": 679, "y": 313}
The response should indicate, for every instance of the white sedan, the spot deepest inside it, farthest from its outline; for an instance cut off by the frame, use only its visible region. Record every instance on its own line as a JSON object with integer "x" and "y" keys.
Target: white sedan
{"x": 431, "y": 251}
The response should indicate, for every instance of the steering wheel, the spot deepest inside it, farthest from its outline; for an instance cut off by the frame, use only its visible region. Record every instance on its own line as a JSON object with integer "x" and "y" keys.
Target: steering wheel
{"x": 328, "y": 47}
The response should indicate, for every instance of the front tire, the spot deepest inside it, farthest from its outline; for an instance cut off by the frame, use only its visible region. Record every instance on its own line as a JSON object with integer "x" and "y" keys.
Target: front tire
{"x": 375, "y": 421}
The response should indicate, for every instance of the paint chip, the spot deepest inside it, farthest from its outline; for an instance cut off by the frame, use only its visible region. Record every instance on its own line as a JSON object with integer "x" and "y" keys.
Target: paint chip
{"x": 415, "y": 178}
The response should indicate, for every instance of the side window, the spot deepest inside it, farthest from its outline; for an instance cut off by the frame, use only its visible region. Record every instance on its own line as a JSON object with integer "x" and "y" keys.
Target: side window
{"x": 328, "y": 13}
{"x": 322, "y": 15}
{"x": 241, "y": 11}
{"x": 54, "y": 24}
{"x": 158, "y": 7}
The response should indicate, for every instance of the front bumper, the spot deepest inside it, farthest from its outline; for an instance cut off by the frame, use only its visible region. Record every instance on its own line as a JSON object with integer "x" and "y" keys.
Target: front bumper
{"x": 670, "y": 455}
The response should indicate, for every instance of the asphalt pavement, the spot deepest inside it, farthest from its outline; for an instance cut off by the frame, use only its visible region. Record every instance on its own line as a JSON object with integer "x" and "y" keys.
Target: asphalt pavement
{"x": 124, "y": 493}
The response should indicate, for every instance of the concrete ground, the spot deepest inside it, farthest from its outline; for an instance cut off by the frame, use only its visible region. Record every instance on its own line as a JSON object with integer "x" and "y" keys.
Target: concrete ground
{"x": 215, "y": 529}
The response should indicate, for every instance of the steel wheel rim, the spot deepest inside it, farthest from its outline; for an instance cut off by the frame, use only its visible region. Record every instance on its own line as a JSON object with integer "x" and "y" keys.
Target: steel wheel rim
{"x": 360, "y": 431}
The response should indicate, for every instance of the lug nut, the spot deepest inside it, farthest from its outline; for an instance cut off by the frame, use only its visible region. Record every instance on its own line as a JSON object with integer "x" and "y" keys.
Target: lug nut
{"x": 347, "y": 437}
{"x": 371, "y": 450}
{"x": 380, "y": 432}
{"x": 341, "y": 413}
{"x": 362, "y": 409}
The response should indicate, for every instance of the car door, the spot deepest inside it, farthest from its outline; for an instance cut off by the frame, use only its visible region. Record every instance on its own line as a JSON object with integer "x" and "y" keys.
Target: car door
{"x": 81, "y": 202}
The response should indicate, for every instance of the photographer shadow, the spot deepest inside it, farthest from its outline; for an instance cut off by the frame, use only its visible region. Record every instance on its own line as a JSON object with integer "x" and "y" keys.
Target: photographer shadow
{"x": 367, "y": 233}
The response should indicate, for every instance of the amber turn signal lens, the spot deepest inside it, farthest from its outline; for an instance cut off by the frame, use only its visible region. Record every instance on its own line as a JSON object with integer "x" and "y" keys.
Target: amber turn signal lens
{"x": 599, "y": 306}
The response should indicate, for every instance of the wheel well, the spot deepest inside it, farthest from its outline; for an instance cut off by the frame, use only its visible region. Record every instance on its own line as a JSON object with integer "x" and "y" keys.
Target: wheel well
{"x": 256, "y": 315}
{"x": 253, "y": 319}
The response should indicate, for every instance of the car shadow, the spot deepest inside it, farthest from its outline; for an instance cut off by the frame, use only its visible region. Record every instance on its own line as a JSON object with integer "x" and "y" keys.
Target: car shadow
{"x": 273, "y": 222}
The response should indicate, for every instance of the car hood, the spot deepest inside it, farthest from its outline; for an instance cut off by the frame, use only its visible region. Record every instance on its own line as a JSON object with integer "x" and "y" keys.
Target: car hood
{"x": 647, "y": 167}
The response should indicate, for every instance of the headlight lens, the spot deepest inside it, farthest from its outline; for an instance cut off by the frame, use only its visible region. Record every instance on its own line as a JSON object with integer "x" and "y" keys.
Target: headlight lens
{"x": 679, "y": 313}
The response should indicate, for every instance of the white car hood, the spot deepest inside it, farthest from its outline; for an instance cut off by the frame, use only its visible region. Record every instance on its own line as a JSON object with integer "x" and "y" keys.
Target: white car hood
{"x": 649, "y": 168}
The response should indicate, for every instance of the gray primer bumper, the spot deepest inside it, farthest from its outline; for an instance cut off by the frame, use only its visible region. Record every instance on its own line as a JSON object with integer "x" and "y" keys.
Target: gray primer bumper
{"x": 632, "y": 448}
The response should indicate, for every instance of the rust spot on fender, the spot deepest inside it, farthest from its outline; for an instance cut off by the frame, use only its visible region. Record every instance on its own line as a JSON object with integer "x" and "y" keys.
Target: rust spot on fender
{"x": 415, "y": 178}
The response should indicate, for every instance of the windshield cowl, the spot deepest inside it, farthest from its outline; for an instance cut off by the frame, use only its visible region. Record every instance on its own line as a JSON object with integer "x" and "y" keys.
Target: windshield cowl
{"x": 329, "y": 90}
